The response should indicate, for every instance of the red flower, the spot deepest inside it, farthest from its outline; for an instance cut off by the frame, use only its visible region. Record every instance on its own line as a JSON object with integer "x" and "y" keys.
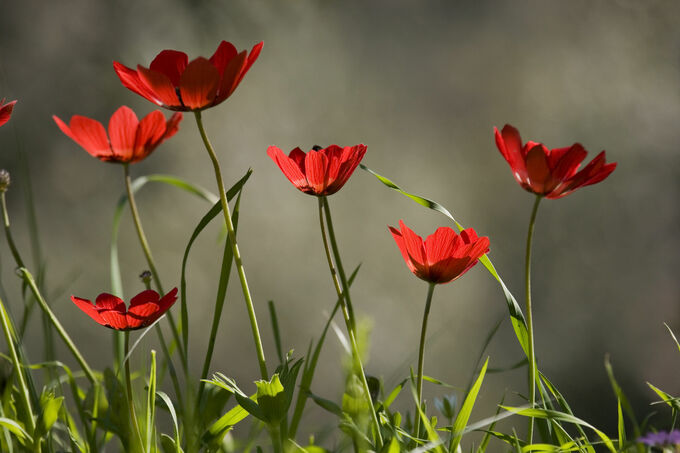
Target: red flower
{"x": 145, "y": 308}
{"x": 130, "y": 140}
{"x": 443, "y": 256}
{"x": 6, "y": 110}
{"x": 552, "y": 173}
{"x": 322, "y": 171}
{"x": 173, "y": 82}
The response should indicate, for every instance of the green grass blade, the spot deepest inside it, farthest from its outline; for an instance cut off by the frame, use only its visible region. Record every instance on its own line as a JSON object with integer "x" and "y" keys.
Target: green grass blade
{"x": 623, "y": 400}
{"x": 275, "y": 329}
{"x": 466, "y": 409}
{"x": 517, "y": 317}
{"x": 561, "y": 416}
{"x": 151, "y": 406}
{"x": 16, "y": 429}
{"x": 672, "y": 336}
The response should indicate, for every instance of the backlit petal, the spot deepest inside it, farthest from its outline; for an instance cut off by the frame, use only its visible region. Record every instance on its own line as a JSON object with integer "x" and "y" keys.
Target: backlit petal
{"x": 289, "y": 167}
{"x": 538, "y": 172}
{"x": 86, "y": 306}
{"x": 161, "y": 86}
{"x": 6, "y": 111}
{"x": 122, "y": 132}
{"x": 130, "y": 80}
{"x": 198, "y": 85}
{"x": 316, "y": 167}
{"x": 89, "y": 134}
{"x": 224, "y": 53}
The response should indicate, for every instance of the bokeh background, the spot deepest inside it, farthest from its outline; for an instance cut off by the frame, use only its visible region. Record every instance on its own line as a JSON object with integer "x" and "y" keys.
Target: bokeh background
{"x": 422, "y": 84}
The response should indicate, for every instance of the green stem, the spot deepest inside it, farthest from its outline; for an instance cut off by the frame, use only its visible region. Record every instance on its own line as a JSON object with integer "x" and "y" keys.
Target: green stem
{"x": 28, "y": 278}
{"x": 150, "y": 261}
{"x": 24, "y": 395}
{"x": 234, "y": 246}
{"x": 421, "y": 358}
{"x": 136, "y": 433}
{"x": 529, "y": 318}
{"x": 347, "y": 312}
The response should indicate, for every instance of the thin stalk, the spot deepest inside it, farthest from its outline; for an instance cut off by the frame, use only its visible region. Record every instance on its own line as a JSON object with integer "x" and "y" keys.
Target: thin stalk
{"x": 24, "y": 394}
{"x": 8, "y": 231}
{"x": 130, "y": 400}
{"x": 28, "y": 278}
{"x": 529, "y": 317}
{"x": 152, "y": 266}
{"x": 343, "y": 294}
{"x": 234, "y": 246}
{"x": 421, "y": 357}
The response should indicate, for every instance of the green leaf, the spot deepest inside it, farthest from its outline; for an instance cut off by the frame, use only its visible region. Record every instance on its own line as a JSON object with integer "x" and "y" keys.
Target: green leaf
{"x": 517, "y": 317}
{"x": 275, "y": 329}
{"x": 171, "y": 408}
{"x": 672, "y": 336}
{"x": 50, "y": 413}
{"x": 466, "y": 409}
{"x": 16, "y": 429}
{"x": 271, "y": 398}
{"x": 151, "y": 406}
{"x": 169, "y": 445}
{"x": 561, "y": 416}
{"x": 623, "y": 403}
{"x": 216, "y": 432}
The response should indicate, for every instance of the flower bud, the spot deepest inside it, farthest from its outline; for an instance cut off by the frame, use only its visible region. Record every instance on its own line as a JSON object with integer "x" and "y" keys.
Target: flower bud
{"x": 4, "y": 180}
{"x": 145, "y": 277}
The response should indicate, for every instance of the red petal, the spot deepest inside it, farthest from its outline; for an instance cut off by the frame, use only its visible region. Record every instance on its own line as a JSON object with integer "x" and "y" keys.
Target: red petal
{"x": 509, "y": 144}
{"x": 565, "y": 163}
{"x": 89, "y": 309}
{"x": 167, "y": 301}
{"x": 316, "y": 170}
{"x": 172, "y": 125}
{"x": 414, "y": 246}
{"x": 230, "y": 78}
{"x": 89, "y": 134}
{"x": 198, "y": 85}
{"x": 122, "y": 131}
{"x": 112, "y": 311}
{"x": 161, "y": 86}
{"x": 150, "y": 133}
{"x": 441, "y": 245}
{"x": 6, "y": 111}
{"x": 298, "y": 156}
{"x": 172, "y": 63}
{"x": 252, "y": 57}
{"x": 225, "y": 52}
{"x": 130, "y": 80}
{"x": 538, "y": 171}
{"x": 289, "y": 167}
{"x": 399, "y": 239}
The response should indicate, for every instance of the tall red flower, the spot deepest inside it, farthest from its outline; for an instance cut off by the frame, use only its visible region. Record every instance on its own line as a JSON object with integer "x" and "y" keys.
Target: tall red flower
{"x": 129, "y": 139}
{"x": 6, "y": 110}
{"x": 321, "y": 171}
{"x": 443, "y": 256}
{"x": 110, "y": 311}
{"x": 174, "y": 82}
{"x": 552, "y": 173}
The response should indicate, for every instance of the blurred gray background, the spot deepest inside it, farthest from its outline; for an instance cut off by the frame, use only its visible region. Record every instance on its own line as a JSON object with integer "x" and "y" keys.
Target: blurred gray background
{"x": 422, "y": 84}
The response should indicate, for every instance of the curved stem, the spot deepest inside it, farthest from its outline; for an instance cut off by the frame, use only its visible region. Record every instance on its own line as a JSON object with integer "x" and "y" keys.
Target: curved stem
{"x": 136, "y": 433}
{"x": 529, "y": 317}
{"x": 150, "y": 261}
{"x": 234, "y": 246}
{"x": 421, "y": 358}
{"x": 343, "y": 295}
{"x": 8, "y": 232}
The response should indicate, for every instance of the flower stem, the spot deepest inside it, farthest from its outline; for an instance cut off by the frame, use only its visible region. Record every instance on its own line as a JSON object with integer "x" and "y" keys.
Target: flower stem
{"x": 530, "y": 324}
{"x": 150, "y": 261}
{"x": 347, "y": 312}
{"x": 130, "y": 400}
{"x": 234, "y": 246}
{"x": 421, "y": 357}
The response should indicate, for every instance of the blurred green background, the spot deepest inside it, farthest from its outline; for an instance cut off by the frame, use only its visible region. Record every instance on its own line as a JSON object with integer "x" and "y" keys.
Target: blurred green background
{"x": 422, "y": 84}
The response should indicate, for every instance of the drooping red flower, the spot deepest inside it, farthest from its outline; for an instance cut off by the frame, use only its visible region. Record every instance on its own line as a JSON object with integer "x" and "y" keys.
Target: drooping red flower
{"x": 321, "y": 171}
{"x": 552, "y": 173}
{"x": 110, "y": 311}
{"x": 443, "y": 256}
{"x": 129, "y": 140}
{"x": 174, "y": 82}
{"x": 6, "y": 110}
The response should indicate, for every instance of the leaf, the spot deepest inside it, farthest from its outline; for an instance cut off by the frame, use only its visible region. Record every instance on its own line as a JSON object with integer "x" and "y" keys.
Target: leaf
{"x": 275, "y": 329}
{"x": 151, "y": 406}
{"x": 561, "y": 416}
{"x": 49, "y": 415}
{"x": 466, "y": 409}
{"x": 517, "y": 317}
{"x": 271, "y": 399}
{"x": 221, "y": 427}
{"x": 16, "y": 429}
{"x": 171, "y": 408}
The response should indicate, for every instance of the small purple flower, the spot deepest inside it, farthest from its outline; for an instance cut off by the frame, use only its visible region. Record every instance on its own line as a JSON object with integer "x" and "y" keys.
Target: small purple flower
{"x": 661, "y": 438}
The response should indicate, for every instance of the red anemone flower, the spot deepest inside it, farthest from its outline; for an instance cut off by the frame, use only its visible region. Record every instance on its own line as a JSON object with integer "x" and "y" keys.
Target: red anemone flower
{"x": 145, "y": 308}
{"x": 130, "y": 141}
{"x": 6, "y": 110}
{"x": 321, "y": 171}
{"x": 174, "y": 82}
{"x": 443, "y": 256}
{"x": 552, "y": 173}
